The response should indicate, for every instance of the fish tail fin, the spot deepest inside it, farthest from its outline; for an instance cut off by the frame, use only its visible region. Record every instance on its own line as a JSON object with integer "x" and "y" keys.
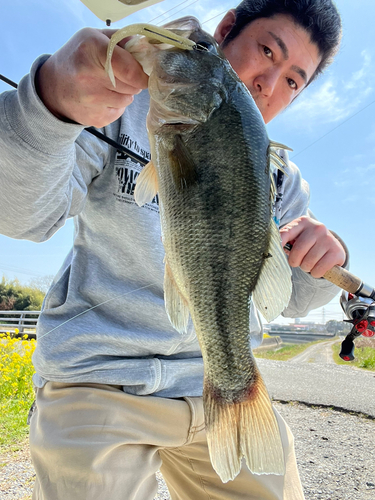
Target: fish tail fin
{"x": 246, "y": 429}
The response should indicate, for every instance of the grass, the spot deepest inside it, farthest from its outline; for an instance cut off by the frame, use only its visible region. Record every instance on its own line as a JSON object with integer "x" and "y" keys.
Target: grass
{"x": 284, "y": 353}
{"x": 16, "y": 370}
{"x": 364, "y": 355}
{"x": 16, "y": 389}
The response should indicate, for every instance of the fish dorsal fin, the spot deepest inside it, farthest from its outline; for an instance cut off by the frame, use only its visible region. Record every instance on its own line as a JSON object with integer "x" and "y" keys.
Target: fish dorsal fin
{"x": 175, "y": 304}
{"x": 278, "y": 145}
{"x": 278, "y": 162}
{"x": 182, "y": 164}
{"x": 147, "y": 185}
{"x": 274, "y": 287}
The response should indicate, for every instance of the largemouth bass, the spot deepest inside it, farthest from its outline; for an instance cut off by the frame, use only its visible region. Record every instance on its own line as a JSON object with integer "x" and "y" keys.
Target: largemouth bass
{"x": 211, "y": 165}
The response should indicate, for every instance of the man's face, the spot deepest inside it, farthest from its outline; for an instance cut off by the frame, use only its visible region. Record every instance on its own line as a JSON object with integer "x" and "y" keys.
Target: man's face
{"x": 274, "y": 57}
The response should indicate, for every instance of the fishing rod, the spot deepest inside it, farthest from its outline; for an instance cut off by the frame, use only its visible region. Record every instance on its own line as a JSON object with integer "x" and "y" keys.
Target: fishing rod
{"x": 357, "y": 299}
{"x": 358, "y": 303}
{"x": 95, "y": 132}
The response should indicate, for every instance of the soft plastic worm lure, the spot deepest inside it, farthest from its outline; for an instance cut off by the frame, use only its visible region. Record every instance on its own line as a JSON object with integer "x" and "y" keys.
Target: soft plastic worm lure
{"x": 155, "y": 32}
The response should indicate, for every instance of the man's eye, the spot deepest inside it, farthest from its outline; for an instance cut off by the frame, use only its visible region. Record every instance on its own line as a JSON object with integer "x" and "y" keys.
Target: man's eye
{"x": 267, "y": 51}
{"x": 292, "y": 84}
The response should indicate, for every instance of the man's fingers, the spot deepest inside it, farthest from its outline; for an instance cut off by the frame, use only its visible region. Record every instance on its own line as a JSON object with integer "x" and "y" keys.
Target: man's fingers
{"x": 110, "y": 32}
{"x": 122, "y": 88}
{"x": 311, "y": 258}
{"x": 290, "y": 232}
{"x": 323, "y": 265}
{"x": 127, "y": 70}
{"x": 315, "y": 250}
{"x": 100, "y": 117}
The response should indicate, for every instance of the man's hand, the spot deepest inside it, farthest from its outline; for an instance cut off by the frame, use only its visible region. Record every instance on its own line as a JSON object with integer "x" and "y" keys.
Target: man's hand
{"x": 73, "y": 84}
{"x": 315, "y": 250}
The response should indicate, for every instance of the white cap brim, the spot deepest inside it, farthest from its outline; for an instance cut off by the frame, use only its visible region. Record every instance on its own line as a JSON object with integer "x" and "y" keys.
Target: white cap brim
{"x": 114, "y": 10}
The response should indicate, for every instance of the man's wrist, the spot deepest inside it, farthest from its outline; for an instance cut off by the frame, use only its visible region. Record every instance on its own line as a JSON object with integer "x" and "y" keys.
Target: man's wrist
{"x": 43, "y": 86}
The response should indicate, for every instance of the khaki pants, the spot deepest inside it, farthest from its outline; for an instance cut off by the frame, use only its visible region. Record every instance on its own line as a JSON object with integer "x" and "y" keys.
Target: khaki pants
{"x": 95, "y": 442}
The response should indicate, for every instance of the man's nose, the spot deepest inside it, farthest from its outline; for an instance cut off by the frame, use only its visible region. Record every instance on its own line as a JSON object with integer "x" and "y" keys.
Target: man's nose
{"x": 266, "y": 82}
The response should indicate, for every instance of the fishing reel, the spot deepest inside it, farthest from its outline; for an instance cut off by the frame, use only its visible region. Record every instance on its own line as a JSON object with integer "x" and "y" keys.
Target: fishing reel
{"x": 360, "y": 312}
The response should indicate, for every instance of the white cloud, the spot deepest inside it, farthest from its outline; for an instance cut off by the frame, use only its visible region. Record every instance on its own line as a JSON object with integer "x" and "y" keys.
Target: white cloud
{"x": 359, "y": 175}
{"x": 333, "y": 100}
{"x": 361, "y": 74}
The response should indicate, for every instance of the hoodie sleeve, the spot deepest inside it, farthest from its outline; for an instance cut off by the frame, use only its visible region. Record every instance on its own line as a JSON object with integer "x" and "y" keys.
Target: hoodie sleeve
{"x": 308, "y": 293}
{"x": 46, "y": 165}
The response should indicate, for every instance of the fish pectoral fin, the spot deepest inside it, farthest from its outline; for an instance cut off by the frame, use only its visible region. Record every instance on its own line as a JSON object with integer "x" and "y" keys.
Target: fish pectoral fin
{"x": 274, "y": 287}
{"x": 147, "y": 185}
{"x": 243, "y": 429}
{"x": 182, "y": 164}
{"x": 175, "y": 304}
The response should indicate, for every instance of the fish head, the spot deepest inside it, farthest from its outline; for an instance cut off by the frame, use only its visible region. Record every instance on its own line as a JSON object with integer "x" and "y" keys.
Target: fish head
{"x": 185, "y": 86}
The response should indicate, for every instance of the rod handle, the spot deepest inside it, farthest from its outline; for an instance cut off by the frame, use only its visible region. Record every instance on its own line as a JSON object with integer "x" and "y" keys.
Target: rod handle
{"x": 344, "y": 279}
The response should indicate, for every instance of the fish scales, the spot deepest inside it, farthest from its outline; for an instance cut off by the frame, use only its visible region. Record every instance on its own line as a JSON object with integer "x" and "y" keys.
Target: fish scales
{"x": 217, "y": 263}
{"x": 220, "y": 260}
{"x": 210, "y": 164}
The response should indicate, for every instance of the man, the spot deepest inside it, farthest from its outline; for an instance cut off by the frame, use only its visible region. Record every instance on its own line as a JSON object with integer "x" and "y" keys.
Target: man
{"x": 118, "y": 389}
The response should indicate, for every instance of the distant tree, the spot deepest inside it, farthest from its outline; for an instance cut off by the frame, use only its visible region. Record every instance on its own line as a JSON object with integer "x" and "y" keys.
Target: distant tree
{"x": 17, "y": 297}
{"x": 41, "y": 283}
{"x": 333, "y": 326}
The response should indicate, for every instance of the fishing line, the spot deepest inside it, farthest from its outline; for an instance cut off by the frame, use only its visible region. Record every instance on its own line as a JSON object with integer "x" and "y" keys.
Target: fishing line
{"x": 20, "y": 270}
{"x": 169, "y": 10}
{"x": 137, "y": 290}
{"x": 217, "y": 15}
{"x": 339, "y": 125}
{"x": 186, "y": 6}
{"x": 142, "y": 161}
{"x": 94, "y": 307}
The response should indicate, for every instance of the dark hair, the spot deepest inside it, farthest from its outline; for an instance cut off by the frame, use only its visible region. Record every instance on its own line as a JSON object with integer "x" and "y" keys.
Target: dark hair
{"x": 320, "y": 18}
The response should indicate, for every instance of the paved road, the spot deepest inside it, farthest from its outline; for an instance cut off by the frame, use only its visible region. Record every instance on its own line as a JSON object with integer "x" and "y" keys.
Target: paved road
{"x": 319, "y": 383}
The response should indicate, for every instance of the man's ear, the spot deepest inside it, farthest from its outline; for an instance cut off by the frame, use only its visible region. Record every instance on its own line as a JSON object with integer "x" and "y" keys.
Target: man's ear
{"x": 225, "y": 25}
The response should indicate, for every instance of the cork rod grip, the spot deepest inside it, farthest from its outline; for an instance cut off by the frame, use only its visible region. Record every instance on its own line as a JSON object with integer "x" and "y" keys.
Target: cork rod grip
{"x": 343, "y": 278}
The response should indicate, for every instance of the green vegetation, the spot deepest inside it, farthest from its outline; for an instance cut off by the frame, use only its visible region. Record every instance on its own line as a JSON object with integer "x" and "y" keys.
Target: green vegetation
{"x": 338, "y": 327}
{"x": 17, "y": 297}
{"x": 364, "y": 355}
{"x": 283, "y": 353}
{"x": 16, "y": 389}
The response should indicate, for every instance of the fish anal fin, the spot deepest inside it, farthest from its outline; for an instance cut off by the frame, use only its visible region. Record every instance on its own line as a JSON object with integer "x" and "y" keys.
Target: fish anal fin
{"x": 274, "y": 286}
{"x": 147, "y": 185}
{"x": 175, "y": 304}
{"x": 182, "y": 164}
{"x": 246, "y": 429}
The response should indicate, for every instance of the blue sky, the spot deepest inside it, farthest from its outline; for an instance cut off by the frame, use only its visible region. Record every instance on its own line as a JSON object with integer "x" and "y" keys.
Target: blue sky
{"x": 330, "y": 126}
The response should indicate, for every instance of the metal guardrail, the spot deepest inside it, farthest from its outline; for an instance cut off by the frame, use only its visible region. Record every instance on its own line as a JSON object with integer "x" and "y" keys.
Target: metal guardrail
{"x": 301, "y": 338}
{"x": 24, "y": 321}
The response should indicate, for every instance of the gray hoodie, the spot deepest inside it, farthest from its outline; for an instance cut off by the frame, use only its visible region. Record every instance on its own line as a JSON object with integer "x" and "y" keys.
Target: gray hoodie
{"x": 103, "y": 319}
